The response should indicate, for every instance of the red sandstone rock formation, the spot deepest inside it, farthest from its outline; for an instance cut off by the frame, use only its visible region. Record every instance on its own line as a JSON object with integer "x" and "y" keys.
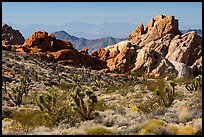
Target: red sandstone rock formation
{"x": 48, "y": 47}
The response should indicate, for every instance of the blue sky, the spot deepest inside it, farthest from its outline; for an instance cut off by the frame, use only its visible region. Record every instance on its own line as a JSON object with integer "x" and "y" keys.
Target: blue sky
{"x": 58, "y": 13}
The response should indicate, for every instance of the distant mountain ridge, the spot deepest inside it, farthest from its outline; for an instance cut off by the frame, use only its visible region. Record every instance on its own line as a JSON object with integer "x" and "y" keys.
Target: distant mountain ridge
{"x": 80, "y": 43}
{"x": 198, "y": 31}
{"x": 84, "y": 30}
{"x": 63, "y": 35}
{"x": 80, "y": 29}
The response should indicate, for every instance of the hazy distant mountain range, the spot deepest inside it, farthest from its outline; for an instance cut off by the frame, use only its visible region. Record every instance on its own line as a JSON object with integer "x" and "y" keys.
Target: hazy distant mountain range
{"x": 198, "y": 31}
{"x": 80, "y": 43}
{"x": 84, "y": 30}
{"x": 81, "y": 29}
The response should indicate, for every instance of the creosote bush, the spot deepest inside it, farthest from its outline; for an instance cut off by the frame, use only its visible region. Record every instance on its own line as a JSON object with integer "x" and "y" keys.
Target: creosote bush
{"x": 152, "y": 127}
{"x": 27, "y": 120}
{"x": 99, "y": 131}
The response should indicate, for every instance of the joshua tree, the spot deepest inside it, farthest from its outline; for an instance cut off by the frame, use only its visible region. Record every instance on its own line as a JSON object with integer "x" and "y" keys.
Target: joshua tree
{"x": 83, "y": 102}
{"x": 52, "y": 105}
{"x": 17, "y": 92}
{"x": 47, "y": 104}
{"x": 167, "y": 95}
{"x": 195, "y": 84}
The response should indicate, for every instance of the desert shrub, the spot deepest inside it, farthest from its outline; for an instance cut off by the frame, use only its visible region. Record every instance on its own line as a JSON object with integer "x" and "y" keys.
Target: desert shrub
{"x": 186, "y": 130}
{"x": 184, "y": 114}
{"x": 150, "y": 105}
{"x": 27, "y": 119}
{"x": 34, "y": 74}
{"x": 31, "y": 98}
{"x": 83, "y": 102}
{"x": 54, "y": 107}
{"x": 6, "y": 113}
{"x": 13, "y": 49}
{"x": 16, "y": 93}
{"x": 100, "y": 105}
{"x": 97, "y": 81}
{"x": 112, "y": 87}
{"x": 99, "y": 131}
{"x": 65, "y": 86}
{"x": 195, "y": 84}
{"x": 152, "y": 127}
{"x": 159, "y": 84}
{"x": 163, "y": 95}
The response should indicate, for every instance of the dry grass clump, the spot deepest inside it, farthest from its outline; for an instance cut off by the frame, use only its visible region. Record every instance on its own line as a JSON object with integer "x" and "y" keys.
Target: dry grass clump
{"x": 100, "y": 131}
{"x": 197, "y": 125}
{"x": 184, "y": 114}
{"x": 89, "y": 127}
{"x": 152, "y": 127}
{"x": 186, "y": 130}
{"x": 41, "y": 130}
{"x": 26, "y": 120}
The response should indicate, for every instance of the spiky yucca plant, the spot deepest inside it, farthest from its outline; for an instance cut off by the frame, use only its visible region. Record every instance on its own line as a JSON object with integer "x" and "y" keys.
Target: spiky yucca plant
{"x": 16, "y": 93}
{"x": 54, "y": 106}
{"x": 195, "y": 84}
{"x": 167, "y": 95}
{"x": 83, "y": 102}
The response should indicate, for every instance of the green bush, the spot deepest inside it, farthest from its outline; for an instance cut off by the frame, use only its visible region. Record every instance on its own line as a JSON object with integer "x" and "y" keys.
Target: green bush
{"x": 27, "y": 120}
{"x": 34, "y": 74}
{"x": 101, "y": 106}
{"x": 155, "y": 84}
{"x": 99, "y": 131}
{"x": 65, "y": 86}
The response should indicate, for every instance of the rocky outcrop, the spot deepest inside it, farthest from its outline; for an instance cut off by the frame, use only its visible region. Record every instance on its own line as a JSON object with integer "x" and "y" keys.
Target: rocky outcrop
{"x": 42, "y": 41}
{"x": 157, "y": 28}
{"x": 11, "y": 36}
{"x": 118, "y": 56}
{"x": 157, "y": 50}
{"x": 48, "y": 47}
